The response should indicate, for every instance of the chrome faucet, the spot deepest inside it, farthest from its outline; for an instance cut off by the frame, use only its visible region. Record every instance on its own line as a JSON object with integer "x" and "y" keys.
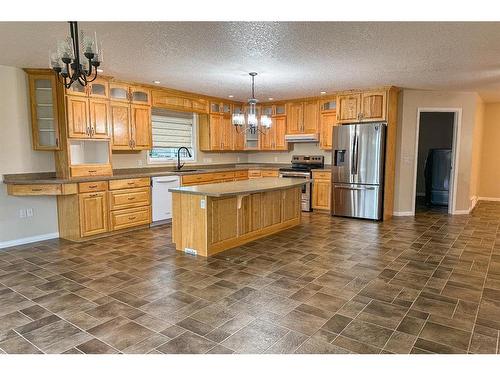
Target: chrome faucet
{"x": 179, "y": 165}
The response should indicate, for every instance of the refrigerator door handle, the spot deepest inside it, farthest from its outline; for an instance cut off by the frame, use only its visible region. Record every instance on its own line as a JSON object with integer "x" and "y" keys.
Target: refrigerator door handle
{"x": 347, "y": 187}
{"x": 357, "y": 153}
{"x": 353, "y": 155}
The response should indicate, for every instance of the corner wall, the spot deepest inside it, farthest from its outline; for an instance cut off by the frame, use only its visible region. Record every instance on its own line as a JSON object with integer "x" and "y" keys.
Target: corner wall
{"x": 405, "y": 160}
{"x": 489, "y": 171}
{"x": 17, "y": 156}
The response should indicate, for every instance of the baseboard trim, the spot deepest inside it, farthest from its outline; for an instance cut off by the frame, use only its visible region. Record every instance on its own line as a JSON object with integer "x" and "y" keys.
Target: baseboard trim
{"x": 403, "y": 213}
{"x": 492, "y": 199}
{"x": 26, "y": 240}
{"x": 461, "y": 212}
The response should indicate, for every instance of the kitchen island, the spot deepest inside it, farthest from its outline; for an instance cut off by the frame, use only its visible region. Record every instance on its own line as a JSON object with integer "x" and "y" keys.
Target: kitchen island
{"x": 211, "y": 218}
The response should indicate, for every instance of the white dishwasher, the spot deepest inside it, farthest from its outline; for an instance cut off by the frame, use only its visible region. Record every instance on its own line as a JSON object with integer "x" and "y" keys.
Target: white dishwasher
{"x": 162, "y": 198}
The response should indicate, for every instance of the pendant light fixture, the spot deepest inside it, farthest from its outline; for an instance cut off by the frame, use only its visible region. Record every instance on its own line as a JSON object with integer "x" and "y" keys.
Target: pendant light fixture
{"x": 68, "y": 63}
{"x": 252, "y": 121}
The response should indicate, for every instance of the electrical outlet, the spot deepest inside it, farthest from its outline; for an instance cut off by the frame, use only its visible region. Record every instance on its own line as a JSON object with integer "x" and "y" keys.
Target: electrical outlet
{"x": 275, "y": 158}
{"x": 207, "y": 160}
{"x": 139, "y": 162}
{"x": 29, "y": 212}
{"x": 22, "y": 213}
{"x": 203, "y": 204}
{"x": 239, "y": 158}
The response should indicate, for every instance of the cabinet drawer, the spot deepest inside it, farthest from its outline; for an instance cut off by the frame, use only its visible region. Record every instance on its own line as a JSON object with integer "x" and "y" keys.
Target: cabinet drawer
{"x": 130, "y": 217}
{"x": 88, "y": 187}
{"x": 255, "y": 173}
{"x": 86, "y": 170}
{"x": 269, "y": 173}
{"x": 129, "y": 198}
{"x": 241, "y": 174}
{"x": 39, "y": 189}
{"x": 222, "y": 175}
{"x": 323, "y": 175}
{"x": 129, "y": 183}
{"x": 193, "y": 179}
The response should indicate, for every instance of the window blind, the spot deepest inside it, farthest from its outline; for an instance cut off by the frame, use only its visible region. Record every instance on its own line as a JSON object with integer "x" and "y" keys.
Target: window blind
{"x": 171, "y": 129}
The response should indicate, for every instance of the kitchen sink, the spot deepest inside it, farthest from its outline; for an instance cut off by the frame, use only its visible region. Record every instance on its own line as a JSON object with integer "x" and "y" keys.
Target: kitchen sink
{"x": 186, "y": 170}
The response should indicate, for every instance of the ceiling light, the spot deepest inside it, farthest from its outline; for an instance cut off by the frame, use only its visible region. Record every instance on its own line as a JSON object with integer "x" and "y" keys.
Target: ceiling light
{"x": 230, "y": 96}
{"x": 322, "y": 92}
{"x": 156, "y": 82}
{"x": 271, "y": 99}
{"x": 68, "y": 63}
{"x": 99, "y": 70}
{"x": 251, "y": 121}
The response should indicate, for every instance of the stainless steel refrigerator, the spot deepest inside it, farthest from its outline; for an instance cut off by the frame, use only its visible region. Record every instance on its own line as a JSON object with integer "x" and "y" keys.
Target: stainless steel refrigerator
{"x": 358, "y": 170}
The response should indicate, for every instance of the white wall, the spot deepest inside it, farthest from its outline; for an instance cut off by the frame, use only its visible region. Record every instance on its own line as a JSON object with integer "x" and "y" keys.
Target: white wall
{"x": 405, "y": 159}
{"x": 17, "y": 156}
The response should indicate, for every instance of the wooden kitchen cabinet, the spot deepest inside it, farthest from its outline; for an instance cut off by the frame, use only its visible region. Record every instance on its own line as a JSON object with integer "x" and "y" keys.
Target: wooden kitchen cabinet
{"x": 274, "y": 137}
{"x": 87, "y": 118}
{"x": 140, "y": 95}
{"x": 321, "y": 190}
{"x": 120, "y": 125}
{"x": 294, "y": 118}
{"x": 367, "y": 106}
{"x": 141, "y": 127}
{"x": 131, "y": 126}
{"x": 93, "y": 213}
{"x": 99, "y": 118}
{"x": 327, "y": 122}
{"x": 169, "y": 100}
{"x": 77, "y": 109}
{"x": 302, "y": 117}
{"x": 373, "y": 106}
{"x": 44, "y": 110}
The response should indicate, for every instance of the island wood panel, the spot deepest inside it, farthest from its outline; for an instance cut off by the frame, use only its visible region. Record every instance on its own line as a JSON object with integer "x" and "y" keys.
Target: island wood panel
{"x": 210, "y": 225}
{"x": 222, "y": 219}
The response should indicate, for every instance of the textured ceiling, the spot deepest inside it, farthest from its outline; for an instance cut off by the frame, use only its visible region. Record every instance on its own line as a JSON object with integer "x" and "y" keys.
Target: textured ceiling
{"x": 292, "y": 59}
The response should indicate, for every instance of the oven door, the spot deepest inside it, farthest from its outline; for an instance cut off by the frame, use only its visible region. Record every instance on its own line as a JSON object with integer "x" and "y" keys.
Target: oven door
{"x": 306, "y": 188}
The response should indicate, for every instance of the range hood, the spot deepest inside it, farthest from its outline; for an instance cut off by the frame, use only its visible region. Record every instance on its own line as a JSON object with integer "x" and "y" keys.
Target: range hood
{"x": 297, "y": 138}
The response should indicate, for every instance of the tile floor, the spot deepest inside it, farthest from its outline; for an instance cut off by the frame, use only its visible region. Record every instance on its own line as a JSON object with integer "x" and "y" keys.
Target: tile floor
{"x": 429, "y": 284}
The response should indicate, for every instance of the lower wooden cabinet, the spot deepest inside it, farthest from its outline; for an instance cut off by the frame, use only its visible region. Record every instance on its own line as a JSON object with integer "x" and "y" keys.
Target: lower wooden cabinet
{"x": 321, "y": 190}
{"x": 102, "y": 207}
{"x": 93, "y": 213}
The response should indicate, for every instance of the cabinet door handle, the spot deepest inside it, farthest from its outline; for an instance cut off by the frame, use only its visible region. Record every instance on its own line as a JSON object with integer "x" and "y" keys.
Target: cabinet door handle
{"x": 93, "y": 195}
{"x": 132, "y": 217}
{"x": 57, "y": 142}
{"x": 87, "y": 131}
{"x": 131, "y": 198}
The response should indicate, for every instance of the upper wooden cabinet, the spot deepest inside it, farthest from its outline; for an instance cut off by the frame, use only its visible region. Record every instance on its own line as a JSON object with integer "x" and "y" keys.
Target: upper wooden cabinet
{"x": 131, "y": 126}
{"x": 126, "y": 93}
{"x": 87, "y": 117}
{"x": 362, "y": 107}
{"x": 302, "y": 117}
{"x": 274, "y": 137}
{"x": 44, "y": 111}
{"x": 99, "y": 88}
{"x": 327, "y": 122}
{"x": 169, "y": 100}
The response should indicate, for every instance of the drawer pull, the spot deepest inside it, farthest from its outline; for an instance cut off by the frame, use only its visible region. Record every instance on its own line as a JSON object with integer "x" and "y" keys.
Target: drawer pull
{"x": 92, "y": 171}
{"x": 132, "y": 217}
{"x": 92, "y": 186}
{"x": 131, "y": 198}
{"x": 131, "y": 183}
{"x": 93, "y": 195}
{"x": 36, "y": 189}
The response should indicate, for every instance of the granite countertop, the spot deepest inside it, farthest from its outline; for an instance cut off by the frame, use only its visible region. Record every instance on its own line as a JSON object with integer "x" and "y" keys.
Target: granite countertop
{"x": 243, "y": 187}
{"x": 50, "y": 177}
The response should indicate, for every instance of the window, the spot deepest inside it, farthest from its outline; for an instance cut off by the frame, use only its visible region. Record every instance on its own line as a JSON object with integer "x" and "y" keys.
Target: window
{"x": 172, "y": 130}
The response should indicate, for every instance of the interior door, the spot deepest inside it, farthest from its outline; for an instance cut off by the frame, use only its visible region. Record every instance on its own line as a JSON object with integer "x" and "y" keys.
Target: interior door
{"x": 141, "y": 127}
{"x": 342, "y": 153}
{"x": 99, "y": 118}
{"x": 120, "y": 125}
{"x": 368, "y": 157}
{"x": 78, "y": 117}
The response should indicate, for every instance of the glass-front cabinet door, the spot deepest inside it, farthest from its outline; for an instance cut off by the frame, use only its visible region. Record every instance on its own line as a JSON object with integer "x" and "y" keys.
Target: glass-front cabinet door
{"x": 44, "y": 123}
{"x": 140, "y": 95}
{"x": 99, "y": 89}
{"x": 119, "y": 92}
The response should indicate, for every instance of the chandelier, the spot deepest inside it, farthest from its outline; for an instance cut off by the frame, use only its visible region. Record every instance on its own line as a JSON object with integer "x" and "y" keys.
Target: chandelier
{"x": 67, "y": 62}
{"x": 252, "y": 121}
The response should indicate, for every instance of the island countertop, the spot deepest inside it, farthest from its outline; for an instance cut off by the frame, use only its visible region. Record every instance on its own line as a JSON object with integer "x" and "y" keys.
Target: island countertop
{"x": 241, "y": 187}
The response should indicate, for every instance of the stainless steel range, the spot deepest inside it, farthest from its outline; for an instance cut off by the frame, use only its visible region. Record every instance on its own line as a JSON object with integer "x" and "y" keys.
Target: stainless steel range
{"x": 301, "y": 167}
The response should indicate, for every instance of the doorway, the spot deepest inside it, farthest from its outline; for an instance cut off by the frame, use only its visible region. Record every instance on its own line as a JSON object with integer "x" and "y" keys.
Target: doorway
{"x": 434, "y": 159}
